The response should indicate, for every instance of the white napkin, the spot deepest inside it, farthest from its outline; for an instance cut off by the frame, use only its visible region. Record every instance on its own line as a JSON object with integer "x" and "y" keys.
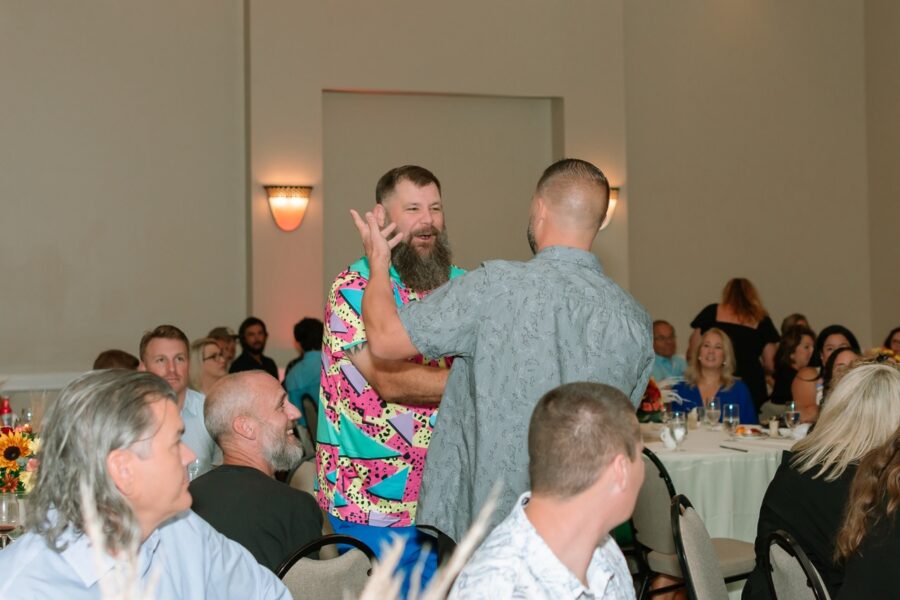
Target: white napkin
{"x": 666, "y": 436}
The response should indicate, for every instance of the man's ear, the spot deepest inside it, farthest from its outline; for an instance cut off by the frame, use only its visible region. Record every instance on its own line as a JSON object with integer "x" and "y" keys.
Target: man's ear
{"x": 380, "y": 214}
{"x": 245, "y": 427}
{"x": 119, "y": 463}
{"x": 620, "y": 468}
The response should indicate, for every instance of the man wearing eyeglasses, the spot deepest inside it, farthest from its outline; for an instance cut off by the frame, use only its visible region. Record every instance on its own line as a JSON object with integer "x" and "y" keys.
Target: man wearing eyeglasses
{"x": 666, "y": 364}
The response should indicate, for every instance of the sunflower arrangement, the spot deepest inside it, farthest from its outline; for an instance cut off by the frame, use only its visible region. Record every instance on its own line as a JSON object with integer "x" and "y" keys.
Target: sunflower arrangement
{"x": 17, "y": 459}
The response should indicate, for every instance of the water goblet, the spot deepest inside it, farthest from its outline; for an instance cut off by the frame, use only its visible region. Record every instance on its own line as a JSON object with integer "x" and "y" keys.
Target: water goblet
{"x": 791, "y": 416}
{"x": 679, "y": 429}
{"x": 731, "y": 417}
{"x": 713, "y": 413}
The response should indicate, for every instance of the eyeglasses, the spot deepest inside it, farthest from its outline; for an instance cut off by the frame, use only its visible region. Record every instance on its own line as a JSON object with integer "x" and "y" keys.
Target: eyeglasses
{"x": 216, "y": 356}
{"x": 664, "y": 338}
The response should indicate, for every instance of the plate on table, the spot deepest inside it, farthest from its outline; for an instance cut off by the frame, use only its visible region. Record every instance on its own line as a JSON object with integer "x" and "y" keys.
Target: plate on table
{"x": 750, "y": 432}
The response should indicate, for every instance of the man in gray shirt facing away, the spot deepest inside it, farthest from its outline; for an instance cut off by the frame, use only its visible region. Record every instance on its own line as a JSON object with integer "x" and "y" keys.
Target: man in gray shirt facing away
{"x": 517, "y": 330}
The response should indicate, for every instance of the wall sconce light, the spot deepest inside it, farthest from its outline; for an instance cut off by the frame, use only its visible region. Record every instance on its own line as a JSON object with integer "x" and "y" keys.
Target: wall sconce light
{"x": 288, "y": 204}
{"x": 613, "y": 199}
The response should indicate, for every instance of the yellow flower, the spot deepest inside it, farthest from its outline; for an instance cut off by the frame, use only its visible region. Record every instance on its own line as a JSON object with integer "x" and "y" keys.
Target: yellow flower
{"x": 13, "y": 446}
{"x": 26, "y": 477}
{"x": 35, "y": 445}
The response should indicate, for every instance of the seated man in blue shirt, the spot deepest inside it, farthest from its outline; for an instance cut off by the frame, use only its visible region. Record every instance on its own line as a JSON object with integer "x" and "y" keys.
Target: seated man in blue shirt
{"x": 113, "y": 439}
{"x": 666, "y": 364}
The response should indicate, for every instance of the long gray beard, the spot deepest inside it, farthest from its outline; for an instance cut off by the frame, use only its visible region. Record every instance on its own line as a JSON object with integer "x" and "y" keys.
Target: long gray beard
{"x": 423, "y": 273}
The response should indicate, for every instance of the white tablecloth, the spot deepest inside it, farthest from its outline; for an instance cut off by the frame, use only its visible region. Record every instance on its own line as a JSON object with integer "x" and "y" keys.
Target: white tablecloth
{"x": 725, "y": 486}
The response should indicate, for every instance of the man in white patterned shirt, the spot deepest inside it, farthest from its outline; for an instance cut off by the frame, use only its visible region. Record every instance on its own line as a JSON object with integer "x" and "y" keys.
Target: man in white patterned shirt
{"x": 585, "y": 465}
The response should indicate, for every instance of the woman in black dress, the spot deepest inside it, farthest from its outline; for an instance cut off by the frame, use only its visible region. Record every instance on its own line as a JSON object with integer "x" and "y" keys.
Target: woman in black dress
{"x": 742, "y": 316}
{"x": 869, "y": 542}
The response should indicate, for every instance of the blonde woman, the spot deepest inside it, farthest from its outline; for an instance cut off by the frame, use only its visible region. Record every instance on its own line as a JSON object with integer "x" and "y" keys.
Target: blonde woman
{"x": 742, "y": 316}
{"x": 810, "y": 489}
{"x": 710, "y": 374}
{"x": 207, "y": 364}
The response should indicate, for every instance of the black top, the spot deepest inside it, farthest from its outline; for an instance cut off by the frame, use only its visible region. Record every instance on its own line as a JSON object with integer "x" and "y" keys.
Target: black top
{"x": 245, "y": 362}
{"x": 809, "y": 509}
{"x": 269, "y": 518}
{"x": 781, "y": 391}
{"x": 870, "y": 571}
{"x": 748, "y": 345}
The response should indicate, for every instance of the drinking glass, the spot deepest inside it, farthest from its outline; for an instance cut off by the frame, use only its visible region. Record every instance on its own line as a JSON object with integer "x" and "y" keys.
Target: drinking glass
{"x": 713, "y": 412}
{"x": 665, "y": 412}
{"x": 9, "y": 517}
{"x": 791, "y": 416}
{"x": 731, "y": 417}
{"x": 678, "y": 427}
{"x": 195, "y": 468}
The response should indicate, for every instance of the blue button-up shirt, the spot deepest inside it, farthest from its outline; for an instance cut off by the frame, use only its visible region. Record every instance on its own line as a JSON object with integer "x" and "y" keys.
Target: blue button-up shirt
{"x": 516, "y": 330}
{"x": 191, "y": 560}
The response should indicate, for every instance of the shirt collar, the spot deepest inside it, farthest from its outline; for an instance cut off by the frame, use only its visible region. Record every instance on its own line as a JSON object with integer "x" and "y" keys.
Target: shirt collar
{"x": 193, "y": 403}
{"x": 568, "y": 254}
{"x": 79, "y": 553}
{"x": 597, "y": 576}
{"x": 362, "y": 267}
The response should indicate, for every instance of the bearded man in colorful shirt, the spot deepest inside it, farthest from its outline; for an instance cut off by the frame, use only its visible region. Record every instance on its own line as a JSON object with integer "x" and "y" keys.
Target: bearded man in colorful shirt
{"x": 376, "y": 416}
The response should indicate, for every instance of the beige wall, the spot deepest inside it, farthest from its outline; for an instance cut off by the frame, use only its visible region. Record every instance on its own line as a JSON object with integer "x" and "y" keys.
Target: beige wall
{"x": 530, "y": 48}
{"x": 122, "y": 175}
{"x": 747, "y": 157}
{"x": 124, "y": 158}
{"x": 485, "y": 151}
{"x": 882, "y": 102}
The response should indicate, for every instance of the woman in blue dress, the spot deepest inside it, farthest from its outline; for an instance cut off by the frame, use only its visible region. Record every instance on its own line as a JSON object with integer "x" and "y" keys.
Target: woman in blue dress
{"x": 710, "y": 374}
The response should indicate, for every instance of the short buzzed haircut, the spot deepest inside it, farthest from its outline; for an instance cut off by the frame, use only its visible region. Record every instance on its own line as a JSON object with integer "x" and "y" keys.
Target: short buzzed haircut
{"x": 167, "y": 332}
{"x": 658, "y": 322}
{"x": 576, "y": 431}
{"x": 420, "y": 176}
{"x": 230, "y": 397}
{"x": 562, "y": 181}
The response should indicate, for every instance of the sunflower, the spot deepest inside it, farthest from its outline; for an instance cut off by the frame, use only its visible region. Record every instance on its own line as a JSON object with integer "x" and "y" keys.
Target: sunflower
{"x": 12, "y": 447}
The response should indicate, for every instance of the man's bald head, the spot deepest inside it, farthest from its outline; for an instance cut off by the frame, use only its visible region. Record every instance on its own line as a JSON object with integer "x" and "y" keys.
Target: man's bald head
{"x": 233, "y": 396}
{"x": 575, "y": 194}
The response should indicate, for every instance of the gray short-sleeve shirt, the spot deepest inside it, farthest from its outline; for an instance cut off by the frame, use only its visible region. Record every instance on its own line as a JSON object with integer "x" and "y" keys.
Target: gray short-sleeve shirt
{"x": 518, "y": 330}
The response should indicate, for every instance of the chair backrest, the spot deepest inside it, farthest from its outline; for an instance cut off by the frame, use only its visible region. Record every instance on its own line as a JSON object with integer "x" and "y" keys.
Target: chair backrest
{"x": 789, "y": 570}
{"x": 651, "y": 517}
{"x": 311, "y": 414}
{"x": 304, "y": 477}
{"x": 696, "y": 554}
{"x": 328, "y": 579}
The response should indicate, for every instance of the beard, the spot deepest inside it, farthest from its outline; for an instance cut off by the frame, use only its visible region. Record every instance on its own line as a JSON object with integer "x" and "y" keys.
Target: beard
{"x": 282, "y": 451}
{"x": 423, "y": 273}
{"x": 532, "y": 243}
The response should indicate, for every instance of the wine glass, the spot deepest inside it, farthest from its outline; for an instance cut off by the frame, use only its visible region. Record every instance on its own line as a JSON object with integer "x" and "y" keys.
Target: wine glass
{"x": 665, "y": 412}
{"x": 731, "y": 417}
{"x": 9, "y": 517}
{"x": 678, "y": 427}
{"x": 713, "y": 412}
{"x": 791, "y": 416}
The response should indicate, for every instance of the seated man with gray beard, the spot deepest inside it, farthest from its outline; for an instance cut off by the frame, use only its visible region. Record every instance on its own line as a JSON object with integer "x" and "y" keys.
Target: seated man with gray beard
{"x": 250, "y": 417}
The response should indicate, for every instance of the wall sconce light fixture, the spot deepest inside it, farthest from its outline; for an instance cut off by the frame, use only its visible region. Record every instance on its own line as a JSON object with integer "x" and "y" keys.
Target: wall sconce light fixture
{"x": 613, "y": 199}
{"x": 288, "y": 204}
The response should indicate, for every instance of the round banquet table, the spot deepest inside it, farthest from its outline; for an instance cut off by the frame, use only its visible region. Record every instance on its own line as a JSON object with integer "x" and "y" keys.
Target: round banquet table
{"x": 726, "y": 486}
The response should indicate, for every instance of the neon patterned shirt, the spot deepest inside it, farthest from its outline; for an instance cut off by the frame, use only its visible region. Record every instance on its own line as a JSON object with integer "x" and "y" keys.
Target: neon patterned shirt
{"x": 369, "y": 453}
